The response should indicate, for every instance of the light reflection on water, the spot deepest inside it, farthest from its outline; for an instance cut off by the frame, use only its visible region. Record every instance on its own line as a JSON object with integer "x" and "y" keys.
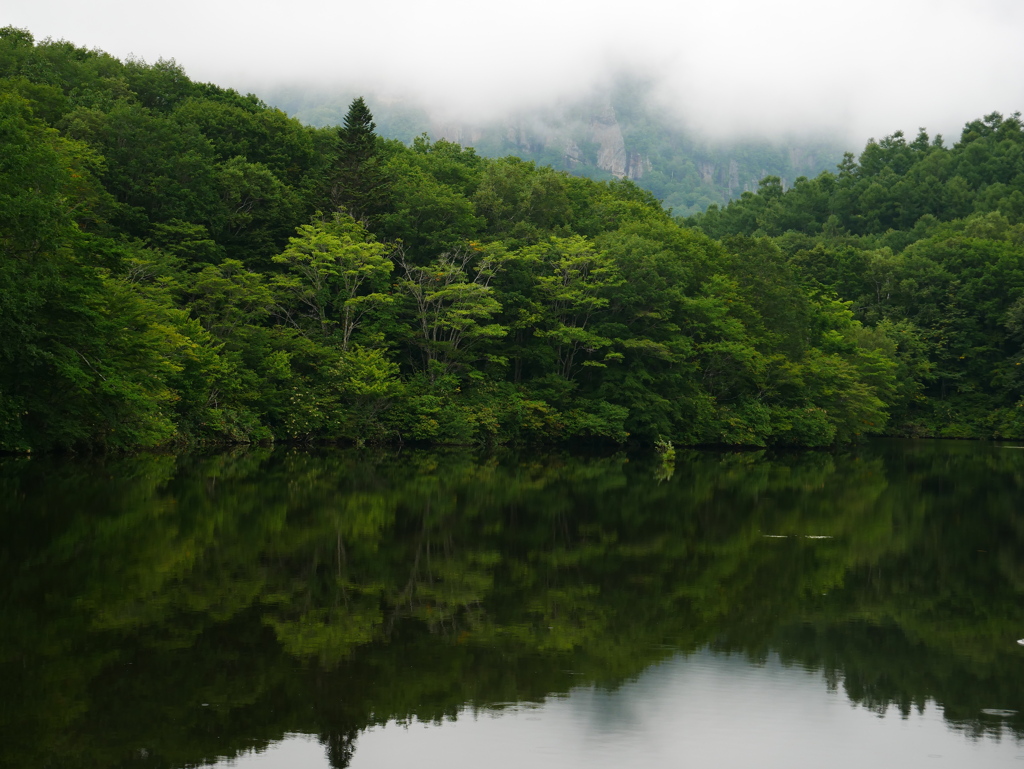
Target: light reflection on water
{"x": 699, "y": 710}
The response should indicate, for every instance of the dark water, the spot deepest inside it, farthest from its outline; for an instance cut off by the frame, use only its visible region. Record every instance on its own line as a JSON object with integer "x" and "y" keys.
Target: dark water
{"x": 317, "y": 609}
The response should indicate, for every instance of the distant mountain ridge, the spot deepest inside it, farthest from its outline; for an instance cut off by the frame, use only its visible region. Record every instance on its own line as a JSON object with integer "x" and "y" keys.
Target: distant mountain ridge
{"x": 615, "y": 133}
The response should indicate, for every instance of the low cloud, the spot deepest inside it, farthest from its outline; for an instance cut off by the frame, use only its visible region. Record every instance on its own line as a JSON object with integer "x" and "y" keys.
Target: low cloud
{"x": 736, "y": 67}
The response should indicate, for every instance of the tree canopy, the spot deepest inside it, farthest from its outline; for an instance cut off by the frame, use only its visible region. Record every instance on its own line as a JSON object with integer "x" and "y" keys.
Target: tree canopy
{"x": 925, "y": 243}
{"x": 183, "y": 263}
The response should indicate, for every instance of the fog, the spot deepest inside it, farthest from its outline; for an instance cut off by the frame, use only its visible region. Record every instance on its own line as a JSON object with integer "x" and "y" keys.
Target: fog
{"x": 729, "y": 68}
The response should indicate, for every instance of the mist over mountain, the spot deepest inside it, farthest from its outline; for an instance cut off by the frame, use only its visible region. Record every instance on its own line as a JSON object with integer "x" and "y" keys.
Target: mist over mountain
{"x": 733, "y": 68}
{"x": 618, "y": 130}
{"x": 729, "y": 92}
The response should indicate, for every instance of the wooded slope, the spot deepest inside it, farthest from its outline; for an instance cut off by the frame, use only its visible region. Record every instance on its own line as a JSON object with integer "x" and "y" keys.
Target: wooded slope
{"x": 182, "y": 263}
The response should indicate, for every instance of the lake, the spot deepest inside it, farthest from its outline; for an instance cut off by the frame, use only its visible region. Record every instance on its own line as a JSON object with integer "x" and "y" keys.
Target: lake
{"x": 334, "y": 608}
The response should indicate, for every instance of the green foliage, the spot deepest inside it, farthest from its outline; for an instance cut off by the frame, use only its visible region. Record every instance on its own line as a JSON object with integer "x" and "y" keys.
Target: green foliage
{"x": 339, "y": 275}
{"x": 452, "y": 305}
{"x": 429, "y": 215}
{"x": 165, "y": 264}
{"x": 357, "y": 184}
{"x": 926, "y": 243}
{"x": 574, "y": 284}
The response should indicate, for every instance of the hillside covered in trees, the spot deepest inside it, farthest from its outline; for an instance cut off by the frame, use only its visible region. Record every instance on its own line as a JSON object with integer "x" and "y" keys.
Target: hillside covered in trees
{"x": 926, "y": 245}
{"x": 182, "y": 263}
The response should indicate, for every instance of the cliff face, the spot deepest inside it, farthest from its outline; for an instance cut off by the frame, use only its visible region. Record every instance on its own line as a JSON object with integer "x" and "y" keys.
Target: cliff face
{"x": 727, "y": 169}
{"x": 467, "y": 136}
{"x": 606, "y": 133}
{"x": 595, "y": 141}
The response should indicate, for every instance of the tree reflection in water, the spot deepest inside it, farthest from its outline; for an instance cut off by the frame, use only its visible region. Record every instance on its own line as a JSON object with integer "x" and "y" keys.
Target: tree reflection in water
{"x": 165, "y": 610}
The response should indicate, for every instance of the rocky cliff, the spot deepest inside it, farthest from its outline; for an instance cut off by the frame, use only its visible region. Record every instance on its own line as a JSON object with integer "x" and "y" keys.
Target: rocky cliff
{"x": 579, "y": 142}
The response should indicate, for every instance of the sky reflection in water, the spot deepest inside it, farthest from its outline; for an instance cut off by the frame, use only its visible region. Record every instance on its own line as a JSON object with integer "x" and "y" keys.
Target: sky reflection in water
{"x": 703, "y": 709}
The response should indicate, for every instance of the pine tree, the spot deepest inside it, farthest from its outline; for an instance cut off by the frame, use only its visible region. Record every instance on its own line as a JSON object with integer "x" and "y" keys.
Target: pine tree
{"x": 356, "y": 138}
{"x": 358, "y": 184}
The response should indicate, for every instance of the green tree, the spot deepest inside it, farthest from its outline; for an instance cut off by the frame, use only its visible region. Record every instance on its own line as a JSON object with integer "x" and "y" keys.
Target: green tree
{"x": 574, "y": 283}
{"x": 339, "y": 275}
{"x": 357, "y": 183}
{"x": 453, "y": 305}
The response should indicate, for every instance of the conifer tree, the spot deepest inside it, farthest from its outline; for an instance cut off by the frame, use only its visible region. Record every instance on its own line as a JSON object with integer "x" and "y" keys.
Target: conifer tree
{"x": 357, "y": 184}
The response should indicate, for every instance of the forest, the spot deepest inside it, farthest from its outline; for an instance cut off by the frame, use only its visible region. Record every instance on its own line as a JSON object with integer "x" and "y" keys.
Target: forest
{"x": 184, "y": 265}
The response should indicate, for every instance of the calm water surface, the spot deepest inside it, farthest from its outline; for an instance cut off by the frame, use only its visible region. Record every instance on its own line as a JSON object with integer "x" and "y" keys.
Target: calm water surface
{"x": 278, "y": 608}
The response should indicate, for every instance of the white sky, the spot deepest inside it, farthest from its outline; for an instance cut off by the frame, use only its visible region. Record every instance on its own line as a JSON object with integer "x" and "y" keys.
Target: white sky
{"x": 865, "y": 68}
